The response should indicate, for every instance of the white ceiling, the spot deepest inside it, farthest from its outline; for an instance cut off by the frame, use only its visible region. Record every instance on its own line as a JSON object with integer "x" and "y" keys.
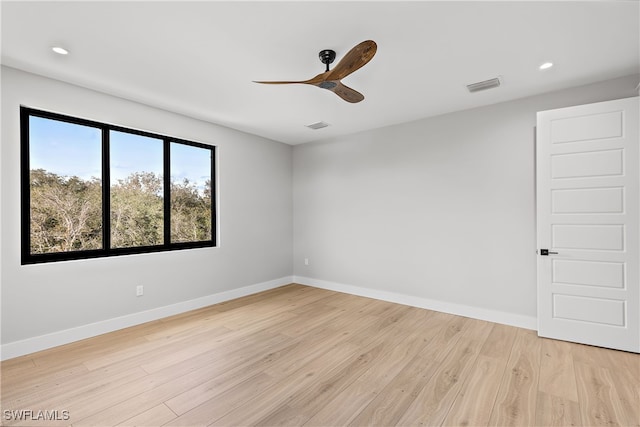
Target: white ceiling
{"x": 199, "y": 58}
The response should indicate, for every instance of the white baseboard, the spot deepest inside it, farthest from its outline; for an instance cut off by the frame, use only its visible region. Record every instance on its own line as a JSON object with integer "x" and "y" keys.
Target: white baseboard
{"x": 54, "y": 339}
{"x": 511, "y": 319}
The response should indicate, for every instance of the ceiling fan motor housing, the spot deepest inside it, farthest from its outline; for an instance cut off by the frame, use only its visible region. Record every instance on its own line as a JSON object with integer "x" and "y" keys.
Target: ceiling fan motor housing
{"x": 327, "y": 56}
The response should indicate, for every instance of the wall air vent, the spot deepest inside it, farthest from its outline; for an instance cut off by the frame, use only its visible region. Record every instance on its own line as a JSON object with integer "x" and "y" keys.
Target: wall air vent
{"x": 318, "y": 125}
{"x": 487, "y": 84}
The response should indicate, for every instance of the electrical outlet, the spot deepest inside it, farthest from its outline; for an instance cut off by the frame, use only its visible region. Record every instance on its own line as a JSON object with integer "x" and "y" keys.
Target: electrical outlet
{"x": 139, "y": 290}
{"x": 306, "y": 261}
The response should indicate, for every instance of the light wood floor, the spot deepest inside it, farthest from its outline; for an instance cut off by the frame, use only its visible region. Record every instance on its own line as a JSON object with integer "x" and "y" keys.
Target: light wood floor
{"x": 303, "y": 356}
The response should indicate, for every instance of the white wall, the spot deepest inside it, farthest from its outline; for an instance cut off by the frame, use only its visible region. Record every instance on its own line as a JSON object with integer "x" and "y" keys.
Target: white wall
{"x": 255, "y": 228}
{"x": 439, "y": 212}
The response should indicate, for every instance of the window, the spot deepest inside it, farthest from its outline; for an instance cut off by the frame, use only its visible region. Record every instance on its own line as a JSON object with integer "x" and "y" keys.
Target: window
{"x": 190, "y": 193}
{"x": 136, "y": 189}
{"x": 92, "y": 190}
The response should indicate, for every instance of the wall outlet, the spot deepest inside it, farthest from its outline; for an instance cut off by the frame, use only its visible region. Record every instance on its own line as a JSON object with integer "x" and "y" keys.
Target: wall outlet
{"x": 306, "y": 261}
{"x": 139, "y": 290}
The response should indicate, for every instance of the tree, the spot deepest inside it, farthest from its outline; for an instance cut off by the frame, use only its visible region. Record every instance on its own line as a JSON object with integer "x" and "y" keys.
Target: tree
{"x": 190, "y": 212}
{"x": 137, "y": 211}
{"x": 65, "y": 213}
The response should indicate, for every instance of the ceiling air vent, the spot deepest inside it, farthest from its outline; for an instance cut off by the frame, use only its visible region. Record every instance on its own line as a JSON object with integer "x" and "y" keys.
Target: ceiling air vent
{"x": 318, "y": 125}
{"x": 487, "y": 84}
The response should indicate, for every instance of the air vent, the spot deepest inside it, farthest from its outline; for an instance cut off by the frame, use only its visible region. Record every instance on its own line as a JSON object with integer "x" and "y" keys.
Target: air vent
{"x": 318, "y": 125}
{"x": 487, "y": 84}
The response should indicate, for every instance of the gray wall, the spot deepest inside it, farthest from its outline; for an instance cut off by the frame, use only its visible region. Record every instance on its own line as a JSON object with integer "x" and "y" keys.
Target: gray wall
{"x": 255, "y": 221}
{"x": 441, "y": 208}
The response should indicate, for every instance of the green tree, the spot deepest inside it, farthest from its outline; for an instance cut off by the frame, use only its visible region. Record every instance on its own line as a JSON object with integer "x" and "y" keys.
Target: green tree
{"x": 190, "y": 212}
{"x": 65, "y": 213}
{"x": 137, "y": 211}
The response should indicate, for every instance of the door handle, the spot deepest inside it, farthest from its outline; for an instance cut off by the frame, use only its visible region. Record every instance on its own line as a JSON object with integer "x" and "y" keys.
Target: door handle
{"x": 546, "y": 252}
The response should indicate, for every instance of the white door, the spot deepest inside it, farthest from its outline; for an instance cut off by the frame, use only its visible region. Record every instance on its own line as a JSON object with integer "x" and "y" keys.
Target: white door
{"x": 588, "y": 191}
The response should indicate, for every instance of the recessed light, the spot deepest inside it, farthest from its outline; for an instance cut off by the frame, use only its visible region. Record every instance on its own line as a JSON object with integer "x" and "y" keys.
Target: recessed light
{"x": 60, "y": 50}
{"x": 546, "y": 65}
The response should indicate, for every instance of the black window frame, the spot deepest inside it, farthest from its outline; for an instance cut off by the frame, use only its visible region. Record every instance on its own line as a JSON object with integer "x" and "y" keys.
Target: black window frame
{"x": 106, "y": 251}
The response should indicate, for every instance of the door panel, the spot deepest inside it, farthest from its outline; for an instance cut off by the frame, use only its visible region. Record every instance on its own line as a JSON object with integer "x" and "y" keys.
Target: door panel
{"x": 587, "y": 200}
{"x": 581, "y": 165}
{"x": 587, "y": 127}
{"x": 588, "y": 192}
{"x": 590, "y": 310}
{"x": 588, "y": 273}
{"x": 587, "y": 237}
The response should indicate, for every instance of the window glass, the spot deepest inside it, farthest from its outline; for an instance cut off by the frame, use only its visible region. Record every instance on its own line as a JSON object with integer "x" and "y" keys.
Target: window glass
{"x": 65, "y": 163}
{"x": 190, "y": 193}
{"x": 137, "y": 190}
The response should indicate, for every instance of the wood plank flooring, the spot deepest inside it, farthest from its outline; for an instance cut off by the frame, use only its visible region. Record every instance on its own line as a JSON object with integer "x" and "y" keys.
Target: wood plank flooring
{"x": 297, "y": 355}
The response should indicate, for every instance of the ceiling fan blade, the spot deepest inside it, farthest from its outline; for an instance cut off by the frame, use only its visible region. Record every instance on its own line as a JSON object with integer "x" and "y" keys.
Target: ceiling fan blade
{"x": 278, "y": 82}
{"x": 346, "y": 93}
{"x": 353, "y": 60}
{"x": 312, "y": 81}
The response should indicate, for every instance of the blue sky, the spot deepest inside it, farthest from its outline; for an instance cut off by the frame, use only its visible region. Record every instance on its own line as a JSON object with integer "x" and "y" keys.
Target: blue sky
{"x": 134, "y": 153}
{"x": 70, "y": 149}
{"x": 190, "y": 162}
{"x": 65, "y": 149}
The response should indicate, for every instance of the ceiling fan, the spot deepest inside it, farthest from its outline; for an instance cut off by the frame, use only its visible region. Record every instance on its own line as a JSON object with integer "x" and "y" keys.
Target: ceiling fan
{"x": 330, "y": 79}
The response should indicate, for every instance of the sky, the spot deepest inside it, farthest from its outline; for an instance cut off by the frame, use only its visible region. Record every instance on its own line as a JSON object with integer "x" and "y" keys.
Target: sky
{"x": 75, "y": 150}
